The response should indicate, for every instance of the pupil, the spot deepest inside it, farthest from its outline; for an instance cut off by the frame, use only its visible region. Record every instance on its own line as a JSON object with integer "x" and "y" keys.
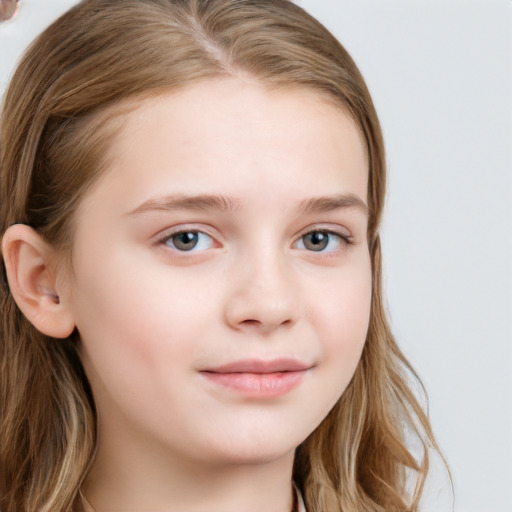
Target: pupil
{"x": 316, "y": 241}
{"x": 185, "y": 241}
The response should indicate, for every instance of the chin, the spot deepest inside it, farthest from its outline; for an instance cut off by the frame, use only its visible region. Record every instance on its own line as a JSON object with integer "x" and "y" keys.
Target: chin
{"x": 256, "y": 450}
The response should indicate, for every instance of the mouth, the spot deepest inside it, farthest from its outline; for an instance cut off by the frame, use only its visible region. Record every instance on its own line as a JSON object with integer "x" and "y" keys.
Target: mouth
{"x": 257, "y": 378}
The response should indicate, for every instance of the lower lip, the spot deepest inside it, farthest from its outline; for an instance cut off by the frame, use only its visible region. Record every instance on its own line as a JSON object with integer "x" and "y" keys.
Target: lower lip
{"x": 258, "y": 385}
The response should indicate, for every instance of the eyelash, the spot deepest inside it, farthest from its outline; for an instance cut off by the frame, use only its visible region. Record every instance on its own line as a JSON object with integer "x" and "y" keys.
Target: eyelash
{"x": 343, "y": 239}
{"x": 170, "y": 235}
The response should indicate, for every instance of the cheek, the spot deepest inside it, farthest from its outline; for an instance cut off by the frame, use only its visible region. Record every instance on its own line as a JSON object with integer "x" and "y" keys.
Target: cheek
{"x": 136, "y": 320}
{"x": 339, "y": 311}
{"x": 347, "y": 301}
{"x": 137, "y": 332}
{"x": 343, "y": 319}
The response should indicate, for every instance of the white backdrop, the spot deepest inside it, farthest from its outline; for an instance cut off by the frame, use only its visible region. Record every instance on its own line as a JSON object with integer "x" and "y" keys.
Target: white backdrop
{"x": 441, "y": 77}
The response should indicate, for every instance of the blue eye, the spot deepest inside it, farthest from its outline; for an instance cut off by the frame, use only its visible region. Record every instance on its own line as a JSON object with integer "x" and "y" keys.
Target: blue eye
{"x": 187, "y": 241}
{"x": 321, "y": 241}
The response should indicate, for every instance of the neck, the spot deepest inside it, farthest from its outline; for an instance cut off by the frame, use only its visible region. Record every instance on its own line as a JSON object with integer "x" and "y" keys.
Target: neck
{"x": 161, "y": 482}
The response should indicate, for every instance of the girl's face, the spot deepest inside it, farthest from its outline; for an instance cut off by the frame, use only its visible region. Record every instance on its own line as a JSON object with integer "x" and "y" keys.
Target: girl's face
{"x": 221, "y": 279}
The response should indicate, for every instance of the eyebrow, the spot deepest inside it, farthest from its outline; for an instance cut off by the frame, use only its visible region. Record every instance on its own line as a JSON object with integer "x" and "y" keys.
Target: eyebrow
{"x": 202, "y": 202}
{"x": 210, "y": 202}
{"x": 335, "y": 202}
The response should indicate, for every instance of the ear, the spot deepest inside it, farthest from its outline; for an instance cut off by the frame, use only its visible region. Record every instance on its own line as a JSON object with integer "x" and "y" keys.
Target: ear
{"x": 31, "y": 271}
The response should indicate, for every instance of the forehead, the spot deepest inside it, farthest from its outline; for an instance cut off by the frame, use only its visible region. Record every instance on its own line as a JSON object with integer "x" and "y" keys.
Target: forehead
{"x": 231, "y": 135}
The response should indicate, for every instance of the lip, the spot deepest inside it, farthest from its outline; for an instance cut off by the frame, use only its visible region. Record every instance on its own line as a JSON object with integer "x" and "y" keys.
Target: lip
{"x": 257, "y": 378}
{"x": 283, "y": 364}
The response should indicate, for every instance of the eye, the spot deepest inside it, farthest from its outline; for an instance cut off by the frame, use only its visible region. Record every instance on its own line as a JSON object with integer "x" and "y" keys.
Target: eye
{"x": 321, "y": 241}
{"x": 187, "y": 241}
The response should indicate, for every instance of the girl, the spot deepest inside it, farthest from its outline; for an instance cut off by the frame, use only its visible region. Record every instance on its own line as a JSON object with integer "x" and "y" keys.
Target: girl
{"x": 191, "y": 193}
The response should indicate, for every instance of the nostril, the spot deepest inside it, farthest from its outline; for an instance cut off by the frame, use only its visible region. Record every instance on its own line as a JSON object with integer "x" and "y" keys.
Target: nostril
{"x": 265, "y": 325}
{"x": 252, "y": 323}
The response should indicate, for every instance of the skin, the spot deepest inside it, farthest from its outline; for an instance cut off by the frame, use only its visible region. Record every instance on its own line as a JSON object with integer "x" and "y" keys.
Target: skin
{"x": 153, "y": 318}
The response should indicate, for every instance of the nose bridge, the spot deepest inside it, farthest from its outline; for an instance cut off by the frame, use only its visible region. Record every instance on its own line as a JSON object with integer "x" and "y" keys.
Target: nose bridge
{"x": 264, "y": 295}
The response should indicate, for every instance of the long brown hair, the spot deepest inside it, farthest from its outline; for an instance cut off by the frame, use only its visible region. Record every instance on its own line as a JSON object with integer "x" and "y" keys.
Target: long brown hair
{"x": 56, "y": 124}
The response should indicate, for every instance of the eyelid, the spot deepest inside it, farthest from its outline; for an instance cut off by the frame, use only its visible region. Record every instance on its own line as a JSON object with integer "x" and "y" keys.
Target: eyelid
{"x": 334, "y": 229}
{"x": 329, "y": 228}
{"x": 165, "y": 234}
{"x": 342, "y": 239}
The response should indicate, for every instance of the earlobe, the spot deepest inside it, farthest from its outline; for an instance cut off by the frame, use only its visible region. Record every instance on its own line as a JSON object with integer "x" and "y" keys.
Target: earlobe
{"x": 31, "y": 271}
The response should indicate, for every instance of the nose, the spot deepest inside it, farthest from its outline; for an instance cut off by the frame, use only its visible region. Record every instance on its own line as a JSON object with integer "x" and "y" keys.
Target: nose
{"x": 264, "y": 297}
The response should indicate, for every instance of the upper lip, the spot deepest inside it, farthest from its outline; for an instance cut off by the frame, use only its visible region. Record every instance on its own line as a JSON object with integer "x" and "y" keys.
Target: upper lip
{"x": 261, "y": 366}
